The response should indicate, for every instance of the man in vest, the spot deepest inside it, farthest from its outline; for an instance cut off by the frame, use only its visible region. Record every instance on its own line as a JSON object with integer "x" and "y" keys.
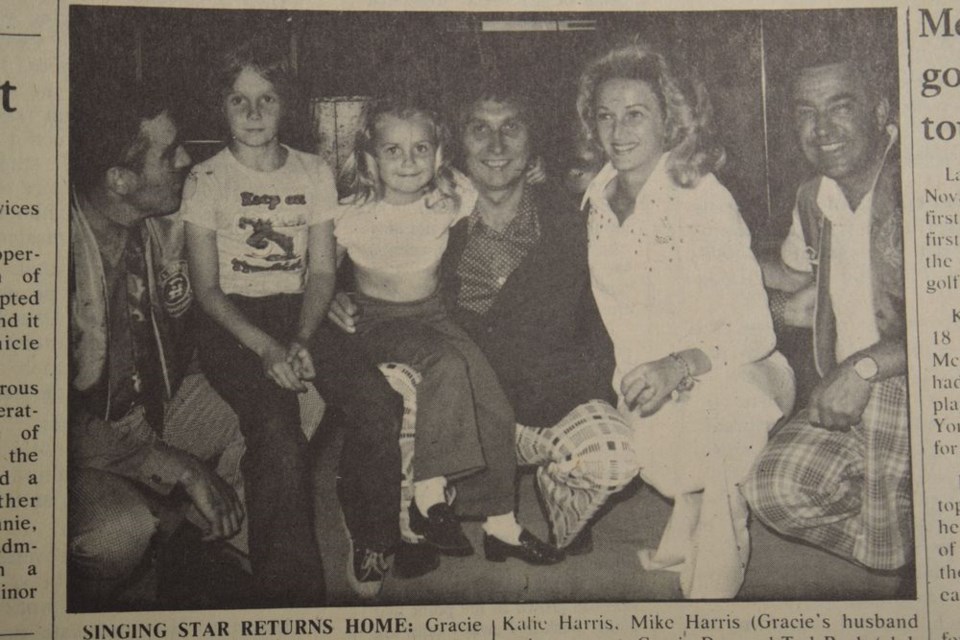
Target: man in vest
{"x": 139, "y": 424}
{"x": 838, "y": 474}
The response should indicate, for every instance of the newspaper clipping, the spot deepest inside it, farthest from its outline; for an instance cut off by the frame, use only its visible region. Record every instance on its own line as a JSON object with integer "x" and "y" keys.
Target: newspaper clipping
{"x": 516, "y": 321}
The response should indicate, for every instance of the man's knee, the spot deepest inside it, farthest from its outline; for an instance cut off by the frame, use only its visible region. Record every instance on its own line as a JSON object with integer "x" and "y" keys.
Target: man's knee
{"x": 612, "y": 467}
{"x": 113, "y": 548}
{"x": 780, "y": 491}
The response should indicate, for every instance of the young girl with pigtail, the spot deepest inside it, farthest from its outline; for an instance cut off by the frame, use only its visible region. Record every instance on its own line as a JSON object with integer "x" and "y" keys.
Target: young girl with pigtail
{"x": 404, "y": 199}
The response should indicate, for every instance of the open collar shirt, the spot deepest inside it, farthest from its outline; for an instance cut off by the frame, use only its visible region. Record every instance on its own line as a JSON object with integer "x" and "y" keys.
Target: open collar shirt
{"x": 850, "y": 263}
{"x": 490, "y": 256}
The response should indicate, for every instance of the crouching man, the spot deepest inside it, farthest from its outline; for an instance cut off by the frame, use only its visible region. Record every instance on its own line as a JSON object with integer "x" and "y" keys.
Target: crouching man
{"x": 139, "y": 425}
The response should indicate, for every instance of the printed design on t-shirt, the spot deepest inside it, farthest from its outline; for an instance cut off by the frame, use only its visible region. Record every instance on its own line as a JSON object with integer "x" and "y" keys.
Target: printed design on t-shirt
{"x": 272, "y": 246}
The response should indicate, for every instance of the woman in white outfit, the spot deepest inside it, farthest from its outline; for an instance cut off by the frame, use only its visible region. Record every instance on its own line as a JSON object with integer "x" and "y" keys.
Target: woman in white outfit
{"x": 683, "y": 300}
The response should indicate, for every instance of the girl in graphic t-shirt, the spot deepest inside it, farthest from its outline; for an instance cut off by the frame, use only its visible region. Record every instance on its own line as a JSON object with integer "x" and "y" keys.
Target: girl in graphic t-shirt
{"x": 394, "y": 227}
{"x": 261, "y": 252}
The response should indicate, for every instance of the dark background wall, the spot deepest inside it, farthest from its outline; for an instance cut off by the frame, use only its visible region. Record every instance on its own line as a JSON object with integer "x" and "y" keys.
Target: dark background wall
{"x": 340, "y": 53}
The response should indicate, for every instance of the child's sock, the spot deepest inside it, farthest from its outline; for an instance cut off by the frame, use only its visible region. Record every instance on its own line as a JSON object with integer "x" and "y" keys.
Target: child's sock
{"x": 429, "y": 492}
{"x": 504, "y": 527}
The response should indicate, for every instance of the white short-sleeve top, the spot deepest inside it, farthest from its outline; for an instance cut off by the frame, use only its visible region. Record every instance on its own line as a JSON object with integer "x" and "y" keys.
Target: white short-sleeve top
{"x": 397, "y": 240}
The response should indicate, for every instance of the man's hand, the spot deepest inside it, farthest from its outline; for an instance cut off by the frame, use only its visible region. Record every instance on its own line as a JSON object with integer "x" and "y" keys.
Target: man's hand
{"x": 216, "y": 500}
{"x": 799, "y": 309}
{"x": 343, "y": 312}
{"x": 536, "y": 172}
{"x": 837, "y": 403}
{"x": 649, "y": 385}
{"x": 279, "y": 368}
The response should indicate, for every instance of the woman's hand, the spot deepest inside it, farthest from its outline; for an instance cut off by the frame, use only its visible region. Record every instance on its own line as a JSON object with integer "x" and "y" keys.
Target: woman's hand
{"x": 648, "y": 386}
{"x": 279, "y": 368}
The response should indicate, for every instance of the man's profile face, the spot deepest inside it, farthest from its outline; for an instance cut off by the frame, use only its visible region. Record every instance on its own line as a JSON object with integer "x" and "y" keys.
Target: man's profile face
{"x": 496, "y": 145}
{"x": 839, "y": 122}
{"x": 159, "y": 183}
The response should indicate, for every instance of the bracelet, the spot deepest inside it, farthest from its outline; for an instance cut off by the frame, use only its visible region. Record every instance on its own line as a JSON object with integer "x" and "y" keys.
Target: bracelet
{"x": 687, "y": 381}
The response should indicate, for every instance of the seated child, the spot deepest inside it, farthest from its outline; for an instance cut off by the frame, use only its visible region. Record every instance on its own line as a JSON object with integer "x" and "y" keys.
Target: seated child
{"x": 394, "y": 227}
{"x": 261, "y": 251}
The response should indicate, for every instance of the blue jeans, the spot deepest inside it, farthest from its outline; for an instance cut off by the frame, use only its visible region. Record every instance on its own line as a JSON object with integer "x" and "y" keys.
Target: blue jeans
{"x": 278, "y": 466}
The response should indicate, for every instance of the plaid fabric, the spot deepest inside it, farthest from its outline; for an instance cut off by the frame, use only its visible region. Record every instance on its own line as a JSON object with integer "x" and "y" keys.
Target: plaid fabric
{"x": 848, "y": 492}
{"x": 581, "y": 461}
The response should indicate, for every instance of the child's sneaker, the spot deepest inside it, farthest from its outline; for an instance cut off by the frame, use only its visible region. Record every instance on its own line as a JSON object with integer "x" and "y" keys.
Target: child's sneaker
{"x": 366, "y": 571}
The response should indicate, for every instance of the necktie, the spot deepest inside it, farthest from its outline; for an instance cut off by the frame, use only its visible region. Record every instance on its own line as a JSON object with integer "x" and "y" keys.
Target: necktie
{"x": 145, "y": 384}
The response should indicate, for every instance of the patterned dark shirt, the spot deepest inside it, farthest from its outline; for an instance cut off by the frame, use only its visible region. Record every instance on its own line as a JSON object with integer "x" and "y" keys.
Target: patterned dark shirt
{"x": 490, "y": 256}
{"x": 133, "y": 375}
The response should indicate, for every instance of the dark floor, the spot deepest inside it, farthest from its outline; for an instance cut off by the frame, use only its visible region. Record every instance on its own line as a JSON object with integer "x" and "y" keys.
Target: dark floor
{"x": 187, "y": 574}
{"x": 778, "y": 570}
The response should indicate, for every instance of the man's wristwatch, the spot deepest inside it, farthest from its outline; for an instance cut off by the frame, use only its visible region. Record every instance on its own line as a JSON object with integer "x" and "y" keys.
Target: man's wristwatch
{"x": 866, "y": 367}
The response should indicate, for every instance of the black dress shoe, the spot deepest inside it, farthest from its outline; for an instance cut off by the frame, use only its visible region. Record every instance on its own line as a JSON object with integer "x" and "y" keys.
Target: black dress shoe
{"x": 530, "y": 550}
{"x": 441, "y": 528}
{"x": 414, "y": 560}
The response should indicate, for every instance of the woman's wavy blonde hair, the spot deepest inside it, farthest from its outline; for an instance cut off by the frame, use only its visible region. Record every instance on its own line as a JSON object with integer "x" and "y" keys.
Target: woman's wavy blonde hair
{"x": 689, "y": 140}
{"x": 360, "y": 176}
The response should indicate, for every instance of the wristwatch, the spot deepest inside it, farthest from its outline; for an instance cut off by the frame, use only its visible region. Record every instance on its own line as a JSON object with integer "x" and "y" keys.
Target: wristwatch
{"x": 866, "y": 367}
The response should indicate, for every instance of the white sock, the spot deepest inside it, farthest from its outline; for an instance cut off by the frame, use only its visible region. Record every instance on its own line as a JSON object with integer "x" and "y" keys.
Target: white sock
{"x": 429, "y": 492}
{"x": 504, "y": 528}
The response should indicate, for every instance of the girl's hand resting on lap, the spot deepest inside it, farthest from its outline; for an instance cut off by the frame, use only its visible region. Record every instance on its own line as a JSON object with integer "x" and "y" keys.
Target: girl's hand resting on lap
{"x": 277, "y": 365}
{"x": 301, "y": 361}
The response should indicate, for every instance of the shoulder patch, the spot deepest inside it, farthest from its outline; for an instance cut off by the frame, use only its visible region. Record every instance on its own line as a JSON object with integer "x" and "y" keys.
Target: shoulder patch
{"x": 175, "y": 292}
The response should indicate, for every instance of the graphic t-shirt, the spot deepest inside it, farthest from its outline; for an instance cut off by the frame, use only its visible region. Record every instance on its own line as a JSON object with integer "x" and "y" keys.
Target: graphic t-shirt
{"x": 261, "y": 218}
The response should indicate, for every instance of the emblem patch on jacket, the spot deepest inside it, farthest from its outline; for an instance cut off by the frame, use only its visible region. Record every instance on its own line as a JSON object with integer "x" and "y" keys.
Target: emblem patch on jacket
{"x": 175, "y": 291}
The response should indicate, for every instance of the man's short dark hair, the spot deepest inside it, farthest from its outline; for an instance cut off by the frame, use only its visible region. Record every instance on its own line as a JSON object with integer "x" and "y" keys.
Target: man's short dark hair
{"x": 853, "y": 38}
{"x": 105, "y": 130}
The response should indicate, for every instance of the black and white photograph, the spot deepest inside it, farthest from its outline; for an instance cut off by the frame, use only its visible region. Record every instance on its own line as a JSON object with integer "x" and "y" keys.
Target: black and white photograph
{"x": 373, "y": 308}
